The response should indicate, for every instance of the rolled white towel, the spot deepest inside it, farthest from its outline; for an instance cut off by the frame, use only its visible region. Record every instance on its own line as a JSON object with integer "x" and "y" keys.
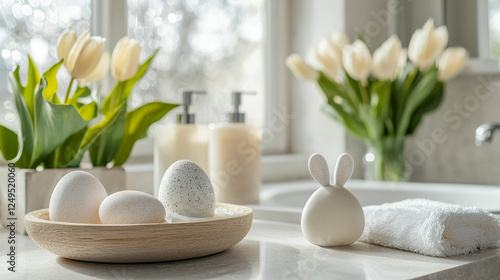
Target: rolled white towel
{"x": 430, "y": 227}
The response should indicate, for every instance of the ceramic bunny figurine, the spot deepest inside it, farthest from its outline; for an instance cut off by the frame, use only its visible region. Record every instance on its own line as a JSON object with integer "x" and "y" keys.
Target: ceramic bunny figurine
{"x": 332, "y": 215}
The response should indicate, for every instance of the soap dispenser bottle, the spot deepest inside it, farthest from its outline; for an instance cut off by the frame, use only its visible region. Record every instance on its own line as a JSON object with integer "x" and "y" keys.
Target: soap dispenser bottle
{"x": 234, "y": 158}
{"x": 184, "y": 140}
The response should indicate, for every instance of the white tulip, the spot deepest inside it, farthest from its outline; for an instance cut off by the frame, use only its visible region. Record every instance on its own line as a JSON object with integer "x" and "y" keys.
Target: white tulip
{"x": 330, "y": 64}
{"x": 386, "y": 59}
{"x": 89, "y": 57}
{"x": 357, "y": 61}
{"x": 64, "y": 44}
{"x": 402, "y": 59}
{"x": 334, "y": 44}
{"x": 75, "y": 50}
{"x": 325, "y": 46}
{"x": 340, "y": 39}
{"x": 427, "y": 44}
{"x": 99, "y": 71}
{"x": 451, "y": 63}
{"x": 301, "y": 69}
{"x": 125, "y": 59}
{"x": 85, "y": 55}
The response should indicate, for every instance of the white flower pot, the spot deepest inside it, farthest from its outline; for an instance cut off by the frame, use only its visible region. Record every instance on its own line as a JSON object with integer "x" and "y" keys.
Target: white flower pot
{"x": 34, "y": 188}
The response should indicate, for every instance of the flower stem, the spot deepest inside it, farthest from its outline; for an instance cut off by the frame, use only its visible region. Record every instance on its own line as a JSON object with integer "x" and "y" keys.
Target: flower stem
{"x": 66, "y": 99}
{"x": 379, "y": 162}
{"x": 113, "y": 101}
{"x": 388, "y": 163}
{"x": 364, "y": 94}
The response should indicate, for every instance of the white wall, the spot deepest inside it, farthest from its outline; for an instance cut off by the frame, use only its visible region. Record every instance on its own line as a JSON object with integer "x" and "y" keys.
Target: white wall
{"x": 470, "y": 101}
{"x": 311, "y": 130}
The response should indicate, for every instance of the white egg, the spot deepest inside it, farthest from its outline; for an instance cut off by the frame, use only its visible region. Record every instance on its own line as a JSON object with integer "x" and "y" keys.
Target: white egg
{"x": 186, "y": 190}
{"x": 131, "y": 207}
{"x": 76, "y": 198}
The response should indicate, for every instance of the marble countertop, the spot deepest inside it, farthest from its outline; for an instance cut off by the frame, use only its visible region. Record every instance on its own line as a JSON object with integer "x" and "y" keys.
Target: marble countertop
{"x": 271, "y": 250}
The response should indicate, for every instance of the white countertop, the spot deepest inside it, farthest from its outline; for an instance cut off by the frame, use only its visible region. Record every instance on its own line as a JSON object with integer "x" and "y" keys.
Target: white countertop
{"x": 271, "y": 250}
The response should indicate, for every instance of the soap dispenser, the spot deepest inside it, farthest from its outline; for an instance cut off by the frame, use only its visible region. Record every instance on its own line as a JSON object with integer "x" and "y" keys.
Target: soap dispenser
{"x": 184, "y": 140}
{"x": 234, "y": 158}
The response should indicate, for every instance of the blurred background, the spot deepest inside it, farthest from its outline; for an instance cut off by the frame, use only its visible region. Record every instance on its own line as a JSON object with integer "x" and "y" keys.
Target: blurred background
{"x": 211, "y": 45}
{"x": 225, "y": 45}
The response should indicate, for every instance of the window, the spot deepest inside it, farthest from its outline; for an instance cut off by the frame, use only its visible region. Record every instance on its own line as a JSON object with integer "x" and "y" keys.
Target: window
{"x": 494, "y": 28}
{"x": 211, "y": 45}
{"x": 472, "y": 24}
{"x": 33, "y": 27}
{"x": 218, "y": 46}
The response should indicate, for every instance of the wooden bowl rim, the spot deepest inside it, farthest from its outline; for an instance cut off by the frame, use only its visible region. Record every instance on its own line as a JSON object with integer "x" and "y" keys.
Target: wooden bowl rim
{"x": 34, "y": 216}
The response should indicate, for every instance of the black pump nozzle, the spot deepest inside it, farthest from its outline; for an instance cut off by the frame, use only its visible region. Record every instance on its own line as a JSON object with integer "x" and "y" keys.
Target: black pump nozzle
{"x": 186, "y": 117}
{"x": 236, "y": 116}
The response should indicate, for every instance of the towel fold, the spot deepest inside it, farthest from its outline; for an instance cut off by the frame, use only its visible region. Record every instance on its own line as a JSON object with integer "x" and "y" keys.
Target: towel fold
{"x": 430, "y": 227}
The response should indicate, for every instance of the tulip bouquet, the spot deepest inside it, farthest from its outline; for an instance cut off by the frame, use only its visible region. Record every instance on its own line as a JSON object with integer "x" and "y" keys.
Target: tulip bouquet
{"x": 56, "y": 133}
{"x": 381, "y": 97}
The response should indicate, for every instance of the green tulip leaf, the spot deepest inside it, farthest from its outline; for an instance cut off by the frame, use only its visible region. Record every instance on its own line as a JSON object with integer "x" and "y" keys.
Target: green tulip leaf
{"x": 337, "y": 112}
{"x": 97, "y": 130}
{"x": 55, "y": 99}
{"x": 79, "y": 93}
{"x": 18, "y": 79}
{"x": 423, "y": 88}
{"x": 333, "y": 89}
{"x": 53, "y": 125}
{"x": 344, "y": 112}
{"x": 374, "y": 129}
{"x": 89, "y": 111}
{"x": 72, "y": 153}
{"x": 137, "y": 123}
{"x": 112, "y": 99}
{"x": 104, "y": 148}
{"x": 329, "y": 89}
{"x": 93, "y": 133}
{"x": 27, "y": 128}
{"x": 122, "y": 90}
{"x": 382, "y": 91}
{"x": 353, "y": 89}
{"x": 29, "y": 91}
{"x": 66, "y": 152}
{"x": 413, "y": 75}
{"x": 9, "y": 145}
{"x": 430, "y": 104}
{"x": 50, "y": 90}
{"x": 401, "y": 89}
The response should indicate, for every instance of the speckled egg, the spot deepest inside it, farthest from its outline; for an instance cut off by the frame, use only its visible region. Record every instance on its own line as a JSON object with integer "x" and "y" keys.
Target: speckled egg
{"x": 76, "y": 198}
{"x": 186, "y": 190}
{"x": 131, "y": 207}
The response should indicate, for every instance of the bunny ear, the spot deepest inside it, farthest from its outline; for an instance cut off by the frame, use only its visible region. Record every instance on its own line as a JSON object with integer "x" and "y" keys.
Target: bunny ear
{"x": 343, "y": 169}
{"x": 318, "y": 167}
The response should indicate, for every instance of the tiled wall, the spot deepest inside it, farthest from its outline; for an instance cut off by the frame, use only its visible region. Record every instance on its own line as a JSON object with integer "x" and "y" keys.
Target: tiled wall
{"x": 470, "y": 101}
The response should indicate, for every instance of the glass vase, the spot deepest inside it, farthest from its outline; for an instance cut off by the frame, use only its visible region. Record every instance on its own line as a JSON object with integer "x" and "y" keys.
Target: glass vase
{"x": 384, "y": 160}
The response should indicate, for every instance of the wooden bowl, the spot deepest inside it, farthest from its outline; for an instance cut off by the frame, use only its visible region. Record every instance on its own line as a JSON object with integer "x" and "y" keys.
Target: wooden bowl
{"x": 139, "y": 243}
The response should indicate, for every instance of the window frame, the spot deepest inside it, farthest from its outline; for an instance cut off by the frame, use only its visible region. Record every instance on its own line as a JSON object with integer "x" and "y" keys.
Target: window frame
{"x": 276, "y": 76}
